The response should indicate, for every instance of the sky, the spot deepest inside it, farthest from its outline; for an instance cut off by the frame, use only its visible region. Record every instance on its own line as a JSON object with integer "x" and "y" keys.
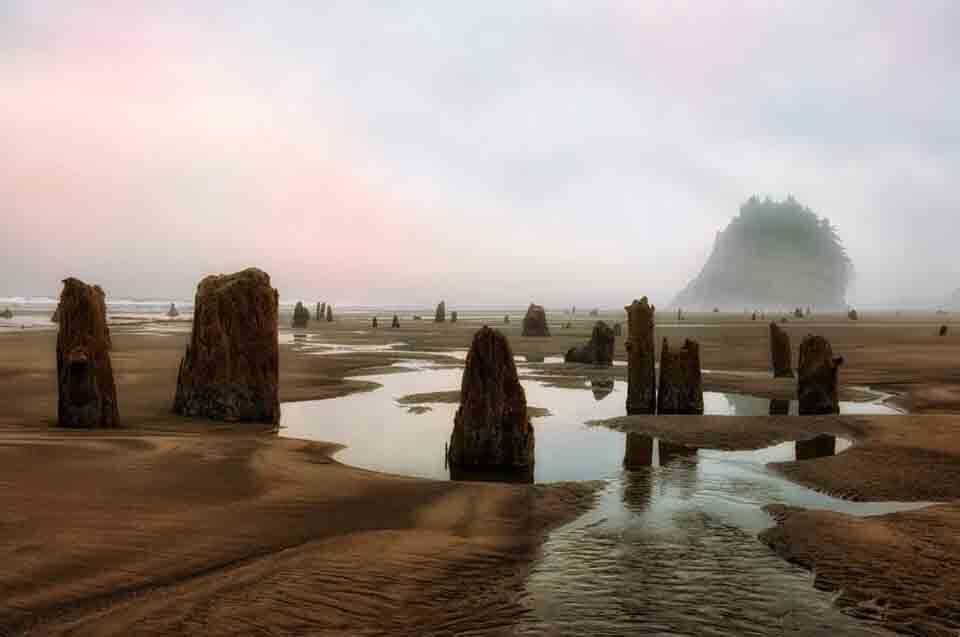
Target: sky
{"x": 488, "y": 153}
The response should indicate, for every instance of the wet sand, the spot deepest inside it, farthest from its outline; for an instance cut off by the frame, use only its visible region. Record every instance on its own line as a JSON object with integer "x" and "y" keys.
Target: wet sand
{"x": 181, "y": 526}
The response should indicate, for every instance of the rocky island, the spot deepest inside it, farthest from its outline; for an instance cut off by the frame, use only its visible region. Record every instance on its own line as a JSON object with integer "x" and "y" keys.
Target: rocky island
{"x": 775, "y": 254}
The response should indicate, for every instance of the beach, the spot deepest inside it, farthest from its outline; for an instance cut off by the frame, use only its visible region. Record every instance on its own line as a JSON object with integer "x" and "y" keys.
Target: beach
{"x": 170, "y": 525}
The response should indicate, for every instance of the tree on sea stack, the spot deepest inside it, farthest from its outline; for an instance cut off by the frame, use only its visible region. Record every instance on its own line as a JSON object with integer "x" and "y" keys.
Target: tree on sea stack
{"x": 87, "y": 394}
{"x": 491, "y": 429}
{"x": 230, "y": 370}
{"x": 773, "y": 254}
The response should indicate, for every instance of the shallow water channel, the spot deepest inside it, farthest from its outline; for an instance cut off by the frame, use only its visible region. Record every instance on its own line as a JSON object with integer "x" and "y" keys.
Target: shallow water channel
{"x": 670, "y": 546}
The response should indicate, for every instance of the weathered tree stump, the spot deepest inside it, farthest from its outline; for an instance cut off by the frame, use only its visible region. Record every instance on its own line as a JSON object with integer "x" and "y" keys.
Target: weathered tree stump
{"x": 87, "y": 394}
{"x": 781, "y": 356}
{"x": 818, "y": 371}
{"x": 681, "y": 380}
{"x": 641, "y": 355}
{"x": 598, "y": 350}
{"x": 491, "y": 428}
{"x": 230, "y": 370}
{"x": 535, "y": 322}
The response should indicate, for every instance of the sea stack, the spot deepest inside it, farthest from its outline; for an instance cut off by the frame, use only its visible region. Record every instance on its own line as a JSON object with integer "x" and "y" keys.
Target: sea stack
{"x": 453, "y": 316}
{"x": 320, "y": 312}
{"x": 87, "y": 395}
{"x": 853, "y": 315}
{"x": 441, "y": 314}
{"x": 818, "y": 372}
{"x": 617, "y": 329}
{"x": 329, "y": 309}
{"x": 230, "y": 370}
{"x": 943, "y": 330}
{"x": 506, "y": 319}
{"x": 681, "y": 382}
{"x": 301, "y": 316}
{"x": 396, "y": 322}
{"x": 535, "y": 322}
{"x": 375, "y": 323}
{"x": 598, "y": 351}
{"x": 491, "y": 429}
{"x": 173, "y": 312}
{"x": 6, "y": 314}
{"x": 642, "y": 385}
{"x": 780, "y": 352}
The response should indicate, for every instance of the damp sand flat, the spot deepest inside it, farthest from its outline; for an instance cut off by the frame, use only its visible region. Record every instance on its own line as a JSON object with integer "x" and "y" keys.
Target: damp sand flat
{"x": 349, "y": 556}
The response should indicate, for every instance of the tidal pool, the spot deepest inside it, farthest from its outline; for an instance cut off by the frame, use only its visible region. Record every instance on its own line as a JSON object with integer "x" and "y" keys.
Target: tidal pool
{"x": 670, "y": 546}
{"x": 383, "y": 435}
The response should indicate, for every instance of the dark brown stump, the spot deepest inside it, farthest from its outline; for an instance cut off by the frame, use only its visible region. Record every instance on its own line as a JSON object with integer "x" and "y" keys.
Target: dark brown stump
{"x": 87, "y": 395}
{"x": 231, "y": 367}
{"x": 642, "y": 388}
{"x": 599, "y": 349}
{"x": 817, "y": 447}
{"x": 681, "y": 382}
{"x": 779, "y": 407}
{"x": 638, "y": 453}
{"x": 491, "y": 428}
{"x": 301, "y": 316}
{"x": 780, "y": 352}
{"x": 601, "y": 387}
{"x": 818, "y": 371}
{"x": 535, "y": 322}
